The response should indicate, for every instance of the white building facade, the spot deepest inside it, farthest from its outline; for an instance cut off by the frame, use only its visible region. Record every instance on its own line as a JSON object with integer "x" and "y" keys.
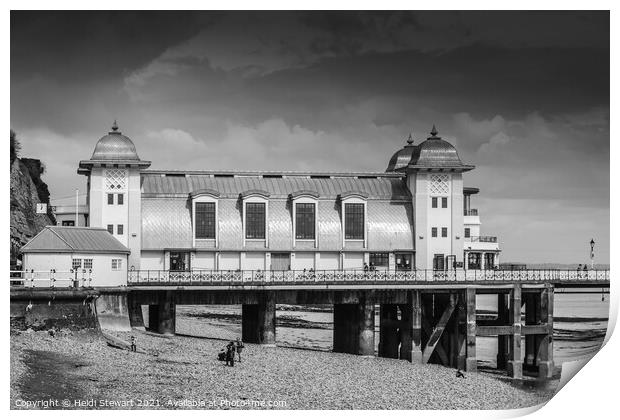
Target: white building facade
{"x": 62, "y": 256}
{"x": 412, "y": 216}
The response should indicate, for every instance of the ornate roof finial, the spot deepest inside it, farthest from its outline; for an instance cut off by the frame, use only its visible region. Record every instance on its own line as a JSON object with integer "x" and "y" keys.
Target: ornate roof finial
{"x": 410, "y": 139}
{"x": 434, "y": 131}
{"x": 115, "y": 126}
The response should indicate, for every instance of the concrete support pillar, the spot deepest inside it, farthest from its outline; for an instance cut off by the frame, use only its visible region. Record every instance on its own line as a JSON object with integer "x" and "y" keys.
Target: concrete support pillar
{"x": 366, "y": 329}
{"x": 503, "y": 318}
{"x": 415, "y": 298}
{"x": 258, "y": 321}
{"x": 471, "y": 363}
{"x": 404, "y": 332}
{"x": 354, "y": 327}
{"x": 136, "y": 320}
{"x": 532, "y": 317}
{"x": 153, "y": 318}
{"x": 460, "y": 332}
{"x": 515, "y": 362}
{"x": 389, "y": 334}
{"x": 167, "y": 315}
{"x": 344, "y": 323}
{"x": 545, "y": 350}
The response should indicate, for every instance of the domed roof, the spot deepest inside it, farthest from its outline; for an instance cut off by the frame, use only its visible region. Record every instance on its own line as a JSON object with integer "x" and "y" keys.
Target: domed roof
{"x": 115, "y": 146}
{"x": 434, "y": 152}
{"x": 400, "y": 160}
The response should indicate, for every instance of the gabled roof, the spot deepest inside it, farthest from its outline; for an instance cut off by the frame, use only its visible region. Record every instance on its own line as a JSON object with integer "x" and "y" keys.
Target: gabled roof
{"x": 69, "y": 239}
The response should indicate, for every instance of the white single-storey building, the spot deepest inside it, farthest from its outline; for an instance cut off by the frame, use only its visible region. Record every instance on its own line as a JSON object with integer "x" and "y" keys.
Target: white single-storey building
{"x": 62, "y": 256}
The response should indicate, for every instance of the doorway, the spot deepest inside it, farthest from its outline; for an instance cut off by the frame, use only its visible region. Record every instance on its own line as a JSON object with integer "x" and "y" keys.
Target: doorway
{"x": 179, "y": 261}
{"x": 438, "y": 262}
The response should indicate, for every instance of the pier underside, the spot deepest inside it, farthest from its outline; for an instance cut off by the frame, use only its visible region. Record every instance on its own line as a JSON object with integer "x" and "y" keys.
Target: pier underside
{"x": 419, "y": 325}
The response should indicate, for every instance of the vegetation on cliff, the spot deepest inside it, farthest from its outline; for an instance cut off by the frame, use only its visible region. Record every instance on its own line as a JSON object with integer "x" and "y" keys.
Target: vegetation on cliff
{"x": 27, "y": 189}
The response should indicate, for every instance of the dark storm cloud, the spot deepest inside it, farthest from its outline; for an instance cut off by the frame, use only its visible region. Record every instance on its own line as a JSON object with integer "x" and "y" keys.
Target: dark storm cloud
{"x": 88, "y": 45}
{"x": 523, "y": 95}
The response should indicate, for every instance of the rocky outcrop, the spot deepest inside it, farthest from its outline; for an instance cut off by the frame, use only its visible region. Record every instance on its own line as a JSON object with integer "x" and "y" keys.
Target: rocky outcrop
{"x": 27, "y": 189}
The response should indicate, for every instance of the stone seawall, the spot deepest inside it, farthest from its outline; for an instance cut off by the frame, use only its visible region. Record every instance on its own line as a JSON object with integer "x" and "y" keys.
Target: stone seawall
{"x": 74, "y": 309}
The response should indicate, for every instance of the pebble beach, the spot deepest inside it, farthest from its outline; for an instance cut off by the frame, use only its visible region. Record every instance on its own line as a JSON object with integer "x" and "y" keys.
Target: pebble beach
{"x": 78, "y": 369}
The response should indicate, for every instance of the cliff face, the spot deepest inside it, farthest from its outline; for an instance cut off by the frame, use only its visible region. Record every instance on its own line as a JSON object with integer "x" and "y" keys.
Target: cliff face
{"x": 27, "y": 189}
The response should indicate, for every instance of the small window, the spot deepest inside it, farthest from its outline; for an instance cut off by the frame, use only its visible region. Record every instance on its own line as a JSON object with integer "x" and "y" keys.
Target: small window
{"x": 403, "y": 262}
{"x": 205, "y": 220}
{"x": 354, "y": 220}
{"x": 305, "y": 220}
{"x": 68, "y": 223}
{"x": 467, "y": 232}
{"x": 434, "y": 232}
{"x": 119, "y": 229}
{"x": 76, "y": 263}
{"x": 255, "y": 221}
{"x": 120, "y": 199}
{"x": 110, "y": 198}
{"x": 444, "y": 232}
{"x": 88, "y": 263}
{"x": 444, "y": 202}
{"x": 111, "y": 229}
{"x": 117, "y": 264}
{"x": 379, "y": 259}
{"x": 434, "y": 202}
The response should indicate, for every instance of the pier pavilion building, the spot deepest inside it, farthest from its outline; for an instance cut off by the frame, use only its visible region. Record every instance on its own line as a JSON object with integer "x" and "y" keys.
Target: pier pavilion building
{"x": 414, "y": 215}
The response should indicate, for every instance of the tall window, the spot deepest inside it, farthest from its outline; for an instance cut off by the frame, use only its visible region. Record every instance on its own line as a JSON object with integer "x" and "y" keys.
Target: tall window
{"x": 434, "y": 202}
{"x": 305, "y": 215}
{"x": 255, "y": 221}
{"x": 444, "y": 202}
{"x": 444, "y": 232}
{"x": 120, "y": 199}
{"x": 119, "y": 229}
{"x": 467, "y": 232}
{"x": 76, "y": 263}
{"x": 110, "y": 198}
{"x": 434, "y": 232}
{"x": 88, "y": 263}
{"x": 111, "y": 229}
{"x": 354, "y": 221}
{"x": 205, "y": 220}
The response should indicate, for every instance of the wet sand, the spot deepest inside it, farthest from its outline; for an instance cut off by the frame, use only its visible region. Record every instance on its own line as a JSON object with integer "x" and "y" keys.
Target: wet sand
{"x": 182, "y": 372}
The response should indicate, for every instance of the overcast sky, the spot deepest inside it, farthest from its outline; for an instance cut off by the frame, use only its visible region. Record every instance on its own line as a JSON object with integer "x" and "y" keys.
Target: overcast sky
{"x": 523, "y": 96}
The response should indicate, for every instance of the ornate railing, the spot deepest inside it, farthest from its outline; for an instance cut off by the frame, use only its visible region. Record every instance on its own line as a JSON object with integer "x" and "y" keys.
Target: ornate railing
{"x": 260, "y": 277}
{"x": 481, "y": 239}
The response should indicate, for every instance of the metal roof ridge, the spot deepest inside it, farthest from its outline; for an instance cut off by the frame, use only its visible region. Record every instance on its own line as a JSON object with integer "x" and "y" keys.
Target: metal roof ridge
{"x": 257, "y": 173}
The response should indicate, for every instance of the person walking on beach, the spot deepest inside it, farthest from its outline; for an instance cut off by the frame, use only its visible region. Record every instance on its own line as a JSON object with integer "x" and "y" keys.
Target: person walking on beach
{"x": 230, "y": 354}
{"x": 239, "y": 346}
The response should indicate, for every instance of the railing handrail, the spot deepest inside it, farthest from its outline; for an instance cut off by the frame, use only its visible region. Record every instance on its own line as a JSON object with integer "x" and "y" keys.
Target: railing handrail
{"x": 360, "y": 275}
{"x": 482, "y": 238}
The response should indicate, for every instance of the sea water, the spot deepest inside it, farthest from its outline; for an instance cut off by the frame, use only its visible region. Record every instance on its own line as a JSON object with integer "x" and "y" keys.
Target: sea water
{"x": 580, "y": 324}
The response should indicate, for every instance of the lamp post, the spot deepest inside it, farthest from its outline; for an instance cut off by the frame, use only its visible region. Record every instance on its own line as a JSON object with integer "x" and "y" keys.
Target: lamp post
{"x": 592, "y": 254}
